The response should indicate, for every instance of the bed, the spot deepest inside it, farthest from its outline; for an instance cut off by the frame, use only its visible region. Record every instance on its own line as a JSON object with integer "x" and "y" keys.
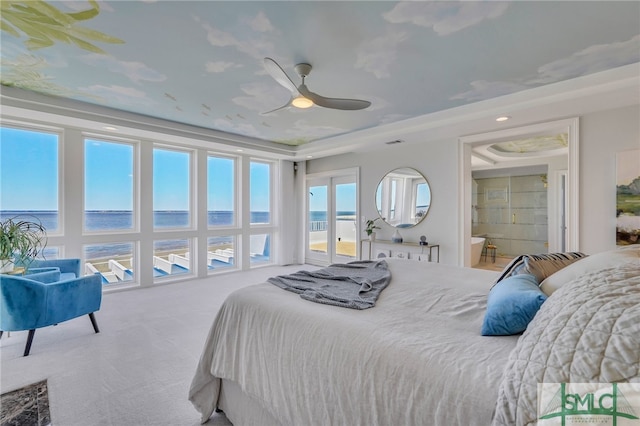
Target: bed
{"x": 417, "y": 357}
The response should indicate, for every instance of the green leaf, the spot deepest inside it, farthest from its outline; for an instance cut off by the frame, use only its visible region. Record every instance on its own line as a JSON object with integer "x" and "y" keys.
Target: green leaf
{"x": 4, "y": 26}
{"x": 26, "y": 27}
{"x": 85, "y": 45}
{"x": 41, "y": 7}
{"x": 43, "y": 23}
{"x": 96, "y": 35}
{"x": 86, "y": 14}
{"x": 38, "y": 43}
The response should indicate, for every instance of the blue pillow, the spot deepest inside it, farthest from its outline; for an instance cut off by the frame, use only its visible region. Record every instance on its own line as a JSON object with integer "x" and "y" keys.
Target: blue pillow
{"x": 511, "y": 305}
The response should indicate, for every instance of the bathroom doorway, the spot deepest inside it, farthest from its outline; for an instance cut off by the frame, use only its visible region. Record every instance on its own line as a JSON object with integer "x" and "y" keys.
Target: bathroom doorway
{"x": 519, "y": 193}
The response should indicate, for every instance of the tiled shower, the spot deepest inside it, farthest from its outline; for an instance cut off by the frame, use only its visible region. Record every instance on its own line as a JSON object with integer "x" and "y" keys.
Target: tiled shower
{"x": 511, "y": 213}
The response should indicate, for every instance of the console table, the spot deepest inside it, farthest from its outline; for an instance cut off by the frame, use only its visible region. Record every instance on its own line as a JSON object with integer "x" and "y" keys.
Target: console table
{"x": 411, "y": 251}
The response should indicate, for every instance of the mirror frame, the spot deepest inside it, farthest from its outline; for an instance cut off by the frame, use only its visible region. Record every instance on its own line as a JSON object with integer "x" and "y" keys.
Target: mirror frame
{"x": 408, "y": 205}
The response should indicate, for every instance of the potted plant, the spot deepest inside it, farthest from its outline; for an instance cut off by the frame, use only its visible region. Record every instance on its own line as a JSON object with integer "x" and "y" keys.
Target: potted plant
{"x": 21, "y": 241}
{"x": 371, "y": 227}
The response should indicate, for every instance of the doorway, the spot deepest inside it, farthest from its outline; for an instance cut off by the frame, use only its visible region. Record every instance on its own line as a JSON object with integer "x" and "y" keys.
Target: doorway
{"x": 331, "y": 225}
{"x": 561, "y": 181}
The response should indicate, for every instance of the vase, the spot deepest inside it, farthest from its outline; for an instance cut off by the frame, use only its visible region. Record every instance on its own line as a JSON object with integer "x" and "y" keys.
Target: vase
{"x": 396, "y": 237}
{"x": 372, "y": 236}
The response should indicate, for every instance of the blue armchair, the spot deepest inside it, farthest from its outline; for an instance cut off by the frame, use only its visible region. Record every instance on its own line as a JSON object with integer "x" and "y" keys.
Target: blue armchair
{"x": 52, "y": 291}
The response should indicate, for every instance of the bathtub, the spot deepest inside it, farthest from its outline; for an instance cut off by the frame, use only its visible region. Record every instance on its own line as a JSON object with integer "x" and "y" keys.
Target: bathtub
{"x": 477, "y": 243}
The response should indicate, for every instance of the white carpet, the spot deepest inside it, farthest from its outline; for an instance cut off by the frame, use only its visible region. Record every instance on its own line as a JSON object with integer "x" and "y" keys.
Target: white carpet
{"x": 138, "y": 369}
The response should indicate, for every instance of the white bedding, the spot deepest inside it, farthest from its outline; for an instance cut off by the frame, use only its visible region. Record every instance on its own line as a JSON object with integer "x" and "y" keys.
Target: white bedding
{"x": 586, "y": 332}
{"x": 416, "y": 358}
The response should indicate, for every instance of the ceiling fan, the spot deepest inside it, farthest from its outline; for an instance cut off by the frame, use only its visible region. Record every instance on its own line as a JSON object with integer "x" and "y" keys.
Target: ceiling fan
{"x": 301, "y": 97}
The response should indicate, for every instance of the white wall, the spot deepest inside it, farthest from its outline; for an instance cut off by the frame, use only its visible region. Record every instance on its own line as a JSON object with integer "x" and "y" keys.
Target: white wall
{"x": 602, "y": 134}
{"x": 436, "y": 160}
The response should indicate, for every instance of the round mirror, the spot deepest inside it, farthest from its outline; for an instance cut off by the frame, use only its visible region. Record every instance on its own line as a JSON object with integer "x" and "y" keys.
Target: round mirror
{"x": 403, "y": 198}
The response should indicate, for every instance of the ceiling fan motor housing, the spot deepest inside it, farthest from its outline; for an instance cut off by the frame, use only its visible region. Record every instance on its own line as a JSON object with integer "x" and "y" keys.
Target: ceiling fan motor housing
{"x": 303, "y": 70}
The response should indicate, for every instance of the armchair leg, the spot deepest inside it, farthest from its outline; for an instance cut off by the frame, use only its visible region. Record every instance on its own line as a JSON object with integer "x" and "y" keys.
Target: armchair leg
{"x": 94, "y": 323}
{"x": 27, "y": 348}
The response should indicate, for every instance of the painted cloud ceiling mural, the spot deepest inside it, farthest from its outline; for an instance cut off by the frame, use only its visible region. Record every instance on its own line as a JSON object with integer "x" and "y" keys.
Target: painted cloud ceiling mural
{"x": 201, "y": 62}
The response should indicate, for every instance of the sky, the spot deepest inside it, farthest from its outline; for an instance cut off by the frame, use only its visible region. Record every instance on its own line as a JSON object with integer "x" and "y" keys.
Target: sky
{"x": 345, "y": 198}
{"x": 627, "y": 166}
{"x": 29, "y": 176}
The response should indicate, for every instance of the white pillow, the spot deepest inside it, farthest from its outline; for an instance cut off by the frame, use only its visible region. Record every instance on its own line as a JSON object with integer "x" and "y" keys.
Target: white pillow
{"x": 605, "y": 259}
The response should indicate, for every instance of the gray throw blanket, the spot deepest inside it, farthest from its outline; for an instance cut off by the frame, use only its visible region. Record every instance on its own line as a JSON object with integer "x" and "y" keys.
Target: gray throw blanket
{"x": 355, "y": 285}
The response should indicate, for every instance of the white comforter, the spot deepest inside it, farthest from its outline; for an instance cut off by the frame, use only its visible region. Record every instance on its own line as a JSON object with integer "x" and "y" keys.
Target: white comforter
{"x": 416, "y": 358}
{"x": 586, "y": 332}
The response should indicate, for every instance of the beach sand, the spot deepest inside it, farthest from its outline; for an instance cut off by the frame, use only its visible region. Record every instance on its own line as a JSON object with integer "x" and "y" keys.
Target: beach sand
{"x": 102, "y": 263}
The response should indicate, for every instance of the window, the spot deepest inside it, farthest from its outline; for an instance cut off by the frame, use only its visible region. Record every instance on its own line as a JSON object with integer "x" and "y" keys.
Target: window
{"x": 108, "y": 186}
{"x": 112, "y": 261}
{"x": 171, "y": 189}
{"x": 221, "y": 252}
{"x": 317, "y": 218}
{"x": 221, "y": 191}
{"x": 104, "y": 221}
{"x": 29, "y": 183}
{"x": 423, "y": 199}
{"x": 260, "y": 196}
{"x": 260, "y": 248}
{"x": 171, "y": 257}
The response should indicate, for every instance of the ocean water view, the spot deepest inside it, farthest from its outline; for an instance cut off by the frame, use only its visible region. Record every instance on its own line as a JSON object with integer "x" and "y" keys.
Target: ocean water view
{"x": 118, "y": 220}
{"x": 122, "y": 219}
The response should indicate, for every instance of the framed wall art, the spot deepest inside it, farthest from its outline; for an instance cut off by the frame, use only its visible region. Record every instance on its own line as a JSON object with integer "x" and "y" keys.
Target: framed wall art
{"x": 628, "y": 197}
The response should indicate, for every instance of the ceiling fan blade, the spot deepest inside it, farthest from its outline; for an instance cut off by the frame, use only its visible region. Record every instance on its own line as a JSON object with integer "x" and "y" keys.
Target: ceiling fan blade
{"x": 334, "y": 103}
{"x": 288, "y": 104}
{"x": 279, "y": 75}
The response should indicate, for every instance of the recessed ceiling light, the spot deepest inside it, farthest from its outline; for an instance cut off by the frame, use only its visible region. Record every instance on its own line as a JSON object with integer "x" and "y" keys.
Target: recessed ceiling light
{"x": 503, "y": 118}
{"x": 238, "y": 150}
{"x": 309, "y": 156}
{"x": 110, "y": 128}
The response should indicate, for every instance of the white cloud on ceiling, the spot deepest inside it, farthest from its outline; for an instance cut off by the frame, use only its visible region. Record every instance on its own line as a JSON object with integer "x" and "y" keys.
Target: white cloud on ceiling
{"x": 593, "y": 59}
{"x": 590, "y": 60}
{"x": 134, "y": 71}
{"x": 261, "y": 97}
{"x": 445, "y": 17}
{"x": 237, "y": 128}
{"x": 257, "y": 47}
{"x": 379, "y": 55}
{"x": 261, "y": 23}
{"x": 220, "y": 66}
{"x": 304, "y": 129}
{"x": 482, "y": 89}
{"x": 118, "y": 94}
